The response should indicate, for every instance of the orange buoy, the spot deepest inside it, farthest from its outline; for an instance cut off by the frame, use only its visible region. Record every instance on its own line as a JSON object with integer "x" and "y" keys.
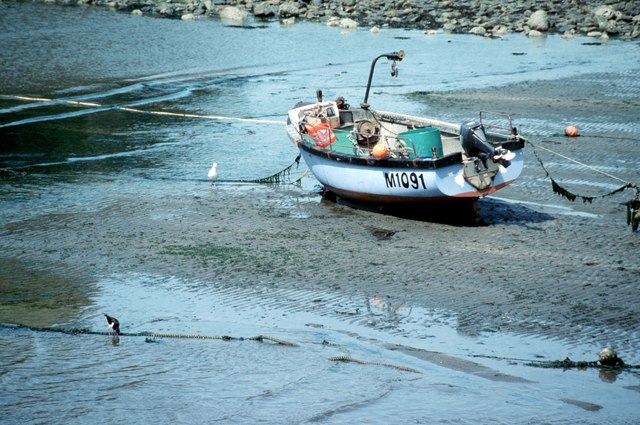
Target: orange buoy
{"x": 571, "y": 131}
{"x": 379, "y": 151}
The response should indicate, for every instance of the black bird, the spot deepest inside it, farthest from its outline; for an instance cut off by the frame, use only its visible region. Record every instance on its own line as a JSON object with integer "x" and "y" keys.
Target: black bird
{"x": 113, "y": 324}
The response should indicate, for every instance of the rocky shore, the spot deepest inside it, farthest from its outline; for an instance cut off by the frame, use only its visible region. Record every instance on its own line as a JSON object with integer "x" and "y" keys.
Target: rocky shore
{"x": 595, "y": 18}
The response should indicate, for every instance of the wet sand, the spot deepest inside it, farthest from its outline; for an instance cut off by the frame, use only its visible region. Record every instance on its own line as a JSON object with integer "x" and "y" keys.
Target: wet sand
{"x": 540, "y": 265}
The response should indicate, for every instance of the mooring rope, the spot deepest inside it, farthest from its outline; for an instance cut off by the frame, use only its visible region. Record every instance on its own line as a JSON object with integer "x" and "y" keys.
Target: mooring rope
{"x": 259, "y": 338}
{"x": 567, "y": 363}
{"x": 633, "y": 205}
{"x": 152, "y": 335}
{"x": 570, "y": 364}
{"x": 276, "y": 178}
{"x": 366, "y": 362}
{"x": 139, "y": 111}
{"x": 627, "y": 184}
{"x": 206, "y": 117}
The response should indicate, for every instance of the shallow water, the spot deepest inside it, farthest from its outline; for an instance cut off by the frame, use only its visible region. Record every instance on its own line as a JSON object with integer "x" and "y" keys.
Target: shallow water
{"x": 60, "y": 378}
{"x": 76, "y": 160}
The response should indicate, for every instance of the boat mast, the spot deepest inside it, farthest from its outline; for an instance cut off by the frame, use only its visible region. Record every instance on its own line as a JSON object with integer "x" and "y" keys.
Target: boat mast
{"x": 395, "y": 56}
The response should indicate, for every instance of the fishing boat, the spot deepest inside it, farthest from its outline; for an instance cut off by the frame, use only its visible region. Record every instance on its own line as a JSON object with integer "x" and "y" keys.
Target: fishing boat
{"x": 375, "y": 157}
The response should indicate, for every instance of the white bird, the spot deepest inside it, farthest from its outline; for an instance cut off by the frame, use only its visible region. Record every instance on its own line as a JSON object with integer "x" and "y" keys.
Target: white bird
{"x": 213, "y": 172}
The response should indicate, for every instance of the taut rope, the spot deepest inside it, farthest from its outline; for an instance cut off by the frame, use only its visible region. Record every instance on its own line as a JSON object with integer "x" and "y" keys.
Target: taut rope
{"x": 633, "y": 205}
{"x": 135, "y": 110}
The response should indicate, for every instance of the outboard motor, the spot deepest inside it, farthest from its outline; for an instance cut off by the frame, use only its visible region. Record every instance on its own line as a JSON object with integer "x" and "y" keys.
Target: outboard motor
{"x": 474, "y": 142}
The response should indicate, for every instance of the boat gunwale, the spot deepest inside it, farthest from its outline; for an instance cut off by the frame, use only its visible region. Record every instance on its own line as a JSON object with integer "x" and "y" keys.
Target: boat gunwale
{"x": 417, "y": 163}
{"x": 455, "y": 158}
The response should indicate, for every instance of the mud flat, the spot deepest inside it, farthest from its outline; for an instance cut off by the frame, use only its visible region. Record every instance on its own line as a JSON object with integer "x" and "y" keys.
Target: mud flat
{"x": 540, "y": 265}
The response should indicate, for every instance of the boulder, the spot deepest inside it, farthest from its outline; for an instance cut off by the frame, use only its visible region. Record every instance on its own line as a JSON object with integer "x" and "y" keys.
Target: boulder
{"x": 539, "y": 21}
{"x": 535, "y": 33}
{"x": 288, "y": 9}
{"x": 232, "y": 13}
{"x": 606, "y": 18}
{"x": 264, "y": 9}
{"x": 168, "y": 12}
{"x": 604, "y": 13}
{"x": 499, "y": 30}
{"x": 478, "y": 30}
{"x": 449, "y": 27}
{"x": 333, "y": 21}
{"x": 347, "y": 24}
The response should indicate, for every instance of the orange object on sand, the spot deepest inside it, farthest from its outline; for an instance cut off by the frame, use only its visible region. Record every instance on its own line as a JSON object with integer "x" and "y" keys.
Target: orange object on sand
{"x": 571, "y": 131}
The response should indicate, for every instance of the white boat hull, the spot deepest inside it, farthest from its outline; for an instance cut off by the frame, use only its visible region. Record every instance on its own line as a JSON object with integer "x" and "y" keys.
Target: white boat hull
{"x": 383, "y": 184}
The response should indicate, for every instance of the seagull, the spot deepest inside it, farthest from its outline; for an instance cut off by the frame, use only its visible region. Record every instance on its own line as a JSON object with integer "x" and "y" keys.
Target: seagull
{"x": 113, "y": 324}
{"x": 213, "y": 172}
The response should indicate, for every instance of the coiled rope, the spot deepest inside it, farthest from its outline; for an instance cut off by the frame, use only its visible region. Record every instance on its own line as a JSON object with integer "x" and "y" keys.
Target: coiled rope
{"x": 633, "y": 205}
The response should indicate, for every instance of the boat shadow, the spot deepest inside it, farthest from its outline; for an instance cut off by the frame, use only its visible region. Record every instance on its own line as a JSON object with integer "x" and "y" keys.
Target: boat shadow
{"x": 496, "y": 211}
{"x": 462, "y": 213}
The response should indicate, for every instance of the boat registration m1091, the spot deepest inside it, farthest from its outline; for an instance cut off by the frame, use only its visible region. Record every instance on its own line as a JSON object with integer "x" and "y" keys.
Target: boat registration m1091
{"x": 403, "y": 179}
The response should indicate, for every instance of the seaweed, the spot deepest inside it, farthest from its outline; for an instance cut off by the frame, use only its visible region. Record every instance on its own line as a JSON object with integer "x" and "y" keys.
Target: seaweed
{"x": 567, "y": 363}
{"x": 280, "y": 177}
{"x": 633, "y": 205}
{"x": 633, "y": 211}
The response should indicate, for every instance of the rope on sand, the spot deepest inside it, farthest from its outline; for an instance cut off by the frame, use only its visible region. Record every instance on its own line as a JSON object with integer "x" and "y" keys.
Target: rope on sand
{"x": 152, "y": 335}
{"x": 633, "y": 205}
{"x": 278, "y": 178}
{"x": 259, "y": 338}
{"x": 366, "y": 362}
{"x": 570, "y": 364}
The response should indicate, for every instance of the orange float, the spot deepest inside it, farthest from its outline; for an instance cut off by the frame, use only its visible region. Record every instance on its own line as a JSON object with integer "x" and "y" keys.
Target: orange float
{"x": 379, "y": 151}
{"x": 571, "y": 131}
